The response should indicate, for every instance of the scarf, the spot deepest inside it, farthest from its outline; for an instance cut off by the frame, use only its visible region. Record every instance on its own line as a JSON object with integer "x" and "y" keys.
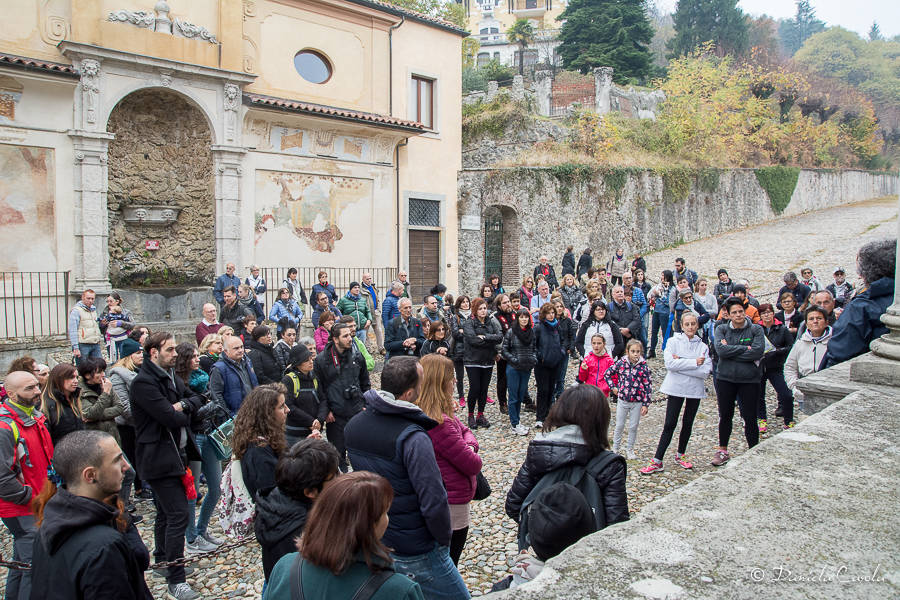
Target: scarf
{"x": 552, "y": 323}
{"x": 525, "y": 335}
{"x": 465, "y": 314}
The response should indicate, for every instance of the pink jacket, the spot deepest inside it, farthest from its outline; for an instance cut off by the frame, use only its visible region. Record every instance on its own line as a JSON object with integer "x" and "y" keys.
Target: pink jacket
{"x": 455, "y": 448}
{"x": 321, "y": 336}
{"x": 593, "y": 369}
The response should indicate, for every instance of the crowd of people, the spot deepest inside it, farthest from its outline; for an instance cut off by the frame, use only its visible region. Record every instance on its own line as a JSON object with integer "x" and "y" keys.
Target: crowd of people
{"x": 290, "y": 417}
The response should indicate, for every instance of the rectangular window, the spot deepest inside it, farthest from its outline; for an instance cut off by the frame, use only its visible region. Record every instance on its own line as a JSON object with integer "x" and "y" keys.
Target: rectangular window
{"x": 421, "y": 101}
{"x": 424, "y": 213}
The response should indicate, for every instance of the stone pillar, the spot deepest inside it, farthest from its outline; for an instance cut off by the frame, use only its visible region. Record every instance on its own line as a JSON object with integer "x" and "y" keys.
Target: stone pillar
{"x": 493, "y": 88}
{"x": 227, "y": 164}
{"x": 602, "y": 86}
{"x": 518, "y": 88}
{"x": 91, "y": 220}
{"x": 543, "y": 90}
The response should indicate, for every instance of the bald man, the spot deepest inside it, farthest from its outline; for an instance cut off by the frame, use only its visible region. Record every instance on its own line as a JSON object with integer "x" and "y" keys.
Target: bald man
{"x": 209, "y": 324}
{"x": 25, "y": 454}
{"x": 228, "y": 278}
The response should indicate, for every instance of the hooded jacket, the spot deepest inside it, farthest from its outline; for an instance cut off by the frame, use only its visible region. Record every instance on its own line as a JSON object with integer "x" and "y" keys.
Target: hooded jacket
{"x": 626, "y": 315}
{"x": 79, "y": 553}
{"x": 356, "y": 307}
{"x": 593, "y": 369}
{"x": 560, "y": 448}
{"x": 307, "y": 404}
{"x": 25, "y": 453}
{"x": 615, "y": 345}
{"x": 289, "y": 310}
{"x": 739, "y": 356}
{"x": 860, "y": 322}
{"x": 684, "y": 378}
{"x": 100, "y": 409}
{"x": 280, "y": 520}
{"x": 456, "y": 451}
{"x": 390, "y": 438}
{"x": 631, "y": 380}
{"x": 807, "y": 356}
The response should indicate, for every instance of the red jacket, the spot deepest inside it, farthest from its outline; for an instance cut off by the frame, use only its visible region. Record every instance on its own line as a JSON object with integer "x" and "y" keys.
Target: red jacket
{"x": 25, "y": 457}
{"x": 592, "y": 370}
{"x": 455, "y": 448}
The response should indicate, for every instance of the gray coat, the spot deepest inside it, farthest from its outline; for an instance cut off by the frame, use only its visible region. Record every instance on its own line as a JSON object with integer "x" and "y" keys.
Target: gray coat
{"x": 739, "y": 357}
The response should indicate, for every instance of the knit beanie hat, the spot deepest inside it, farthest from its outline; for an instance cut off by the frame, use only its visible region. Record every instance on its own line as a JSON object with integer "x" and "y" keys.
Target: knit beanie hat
{"x": 299, "y": 354}
{"x": 720, "y": 271}
{"x": 353, "y": 284}
{"x": 559, "y": 517}
{"x": 129, "y": 347}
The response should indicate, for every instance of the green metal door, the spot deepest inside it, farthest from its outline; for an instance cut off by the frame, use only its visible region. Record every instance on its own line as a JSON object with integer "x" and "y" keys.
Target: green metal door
{"x": 493, "y": 246}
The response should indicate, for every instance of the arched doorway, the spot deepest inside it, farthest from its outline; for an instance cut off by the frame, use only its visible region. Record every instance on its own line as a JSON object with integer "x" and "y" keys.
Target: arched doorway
{"x": 160, "y": 198}
{"x": 501, "y": 245}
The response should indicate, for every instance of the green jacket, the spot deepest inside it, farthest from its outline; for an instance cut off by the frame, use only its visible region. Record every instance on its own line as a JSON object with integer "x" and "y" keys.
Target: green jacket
{"x": 100, "y": 410}
{"x": 320, "y": 584}
{"x": 370, "y": 362}
{"x": 358, "y": 309}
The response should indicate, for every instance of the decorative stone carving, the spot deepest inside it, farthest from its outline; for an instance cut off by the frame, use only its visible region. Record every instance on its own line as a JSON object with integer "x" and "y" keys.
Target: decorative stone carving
{"x": 161, "y": 23}
{"x": 249, "y": 8}
{"x": 232, "y": 95}
{"x": 52, "y": 17}
{"x": 324, "y": 142}
{"x": 150, "y": 215}
{"x": 138, "y": 18}
{"x": 90, "y": 88}
{"x": 189, "y": 30}
{"x": 165, "y": 78}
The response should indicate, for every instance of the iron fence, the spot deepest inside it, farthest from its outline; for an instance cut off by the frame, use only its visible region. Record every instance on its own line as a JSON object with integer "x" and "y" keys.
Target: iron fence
{"x": 35, "y": 304}
{"x": 339, "y": 277}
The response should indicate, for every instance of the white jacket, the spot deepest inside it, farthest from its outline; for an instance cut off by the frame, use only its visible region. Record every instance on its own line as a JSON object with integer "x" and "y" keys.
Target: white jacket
{"x": 805, "y": 357}
{"x": 683, "y": 377}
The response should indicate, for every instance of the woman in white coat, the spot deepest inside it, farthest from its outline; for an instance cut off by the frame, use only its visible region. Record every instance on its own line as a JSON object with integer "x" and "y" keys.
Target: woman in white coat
{"x": 687, "y": 366}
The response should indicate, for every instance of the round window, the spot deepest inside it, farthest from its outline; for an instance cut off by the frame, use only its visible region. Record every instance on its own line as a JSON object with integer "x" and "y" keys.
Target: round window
{"x": 312, "y": 66}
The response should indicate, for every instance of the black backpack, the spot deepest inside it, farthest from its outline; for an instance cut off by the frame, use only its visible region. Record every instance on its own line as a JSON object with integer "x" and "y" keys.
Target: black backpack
{"x": 584, "y": 478}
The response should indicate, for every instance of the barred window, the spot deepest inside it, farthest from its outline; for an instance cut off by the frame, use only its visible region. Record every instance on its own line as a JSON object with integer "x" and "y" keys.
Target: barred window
{"x": 424, "y": 213}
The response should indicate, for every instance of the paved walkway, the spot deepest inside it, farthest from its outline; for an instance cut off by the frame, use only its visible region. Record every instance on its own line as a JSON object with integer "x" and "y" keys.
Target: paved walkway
{"x": 762, "y": 253}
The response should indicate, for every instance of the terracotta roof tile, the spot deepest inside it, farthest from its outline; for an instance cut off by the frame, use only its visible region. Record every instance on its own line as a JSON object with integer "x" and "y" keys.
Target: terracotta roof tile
{"x": 34, "y": 63}
{"x": 413, "y": 15}
{"x": 333, "y": 112}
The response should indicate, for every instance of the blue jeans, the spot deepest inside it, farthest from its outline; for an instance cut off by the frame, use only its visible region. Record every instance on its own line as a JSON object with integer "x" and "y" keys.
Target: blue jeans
{"x": 434, "y": 572}
{"x": 516, "y": 387}
{"x": 363, "y": 335}
{"x": 561, "y": 378}
{"x": 212, "y": 470}
{"x": 89, "y": 350}
{"x": 18, "y": 583}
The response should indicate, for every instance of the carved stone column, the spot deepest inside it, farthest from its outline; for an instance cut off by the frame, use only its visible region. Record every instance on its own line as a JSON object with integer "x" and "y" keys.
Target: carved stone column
{"x": 91, "y": 220}
{"x": 602, "y": 86}
{"x": 228, "y": 170}
{"x": 543, "y": 90}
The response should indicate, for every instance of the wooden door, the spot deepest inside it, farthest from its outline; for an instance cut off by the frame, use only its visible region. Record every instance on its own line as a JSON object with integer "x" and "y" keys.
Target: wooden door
{"x": 424, "y": 262}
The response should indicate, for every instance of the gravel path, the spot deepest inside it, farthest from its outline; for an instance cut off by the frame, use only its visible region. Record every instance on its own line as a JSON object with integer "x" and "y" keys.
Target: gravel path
{"x": 822, "y": 240}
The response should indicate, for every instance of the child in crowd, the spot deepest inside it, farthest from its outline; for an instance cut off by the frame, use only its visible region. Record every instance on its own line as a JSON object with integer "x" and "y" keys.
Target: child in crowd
{"x": 595, "y": 364}
{"x": 633, "y": 390}
{"x": 687, "y": 365}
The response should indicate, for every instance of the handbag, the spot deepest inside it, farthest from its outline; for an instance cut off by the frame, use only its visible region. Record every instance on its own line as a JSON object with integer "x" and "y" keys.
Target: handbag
{"x": 219, "y": 438}
{"x": 482, "y": 487}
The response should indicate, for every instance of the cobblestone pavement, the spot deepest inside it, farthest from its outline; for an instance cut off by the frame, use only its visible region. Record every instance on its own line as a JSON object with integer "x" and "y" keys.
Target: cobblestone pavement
{"x": 761, "y": 254}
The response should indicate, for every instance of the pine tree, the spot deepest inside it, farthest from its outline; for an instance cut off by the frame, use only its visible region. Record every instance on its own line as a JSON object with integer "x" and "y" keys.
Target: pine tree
{"x": 794, "y": 32}
{"x": 607, "y": 33}
{"x": 718, "y": 21}
{"x": 875, "y": 32}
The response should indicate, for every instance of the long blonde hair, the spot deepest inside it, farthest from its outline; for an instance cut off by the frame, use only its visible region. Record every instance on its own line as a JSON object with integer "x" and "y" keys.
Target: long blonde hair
{"x": 436, "y": 397}
{"x": 126, "y": 363}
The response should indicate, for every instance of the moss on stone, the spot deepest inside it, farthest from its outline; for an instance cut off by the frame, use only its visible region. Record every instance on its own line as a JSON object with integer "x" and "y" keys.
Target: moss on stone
{"x": 779, "y": 183}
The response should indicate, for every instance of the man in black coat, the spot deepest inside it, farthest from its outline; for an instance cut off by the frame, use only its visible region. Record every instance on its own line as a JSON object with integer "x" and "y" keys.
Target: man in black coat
{"x": 625, "y": 314}
{"x": 584, "y": 264}
{"x": 545, "y": 269}
{"x": 85, "y": 548}
{"x": 403, "y": 335}
{"x": 162, "y": 418}
{"x": 568, "y": 262}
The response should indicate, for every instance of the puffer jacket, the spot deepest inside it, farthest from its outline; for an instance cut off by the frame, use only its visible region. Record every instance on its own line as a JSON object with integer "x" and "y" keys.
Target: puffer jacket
{"x": 282, "y": 353}
{"x": 684, "y": 378}
{"x": 481, "y": 351}
{"x": 457, "y": 339}
{"x": 860, "y": 323}
{"x": 738, "y": 358}
{"x": 456, "y": 451}
{"x": 782, "y": 338}
{"x": 571, "y": 296}
{"x": 548, "y": 344}
{"x": 567, "y": 333}
{"x": 121, "y": 379}
{"x": 100, "y": 409}
{"x": 561, "y": 448}
{"x": 280, "y": 519}
{"x": 631, "y": 380}
{"x": 516, "y": 353}
{"x": 592, "y": 371}
{"x": 806, "y": 357}
{"x": 615, "y": 345}
{"x": 264, "y": 363}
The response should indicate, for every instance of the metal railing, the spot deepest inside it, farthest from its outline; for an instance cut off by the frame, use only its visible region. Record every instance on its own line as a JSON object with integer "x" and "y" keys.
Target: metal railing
{"x": 339, "y": 277}
{"x": 35, "y": 304}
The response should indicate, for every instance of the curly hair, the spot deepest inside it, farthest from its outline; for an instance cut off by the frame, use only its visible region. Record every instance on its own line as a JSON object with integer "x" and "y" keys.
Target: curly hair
{"x": 876, "y": 260}
{"x": 255, "y": 423}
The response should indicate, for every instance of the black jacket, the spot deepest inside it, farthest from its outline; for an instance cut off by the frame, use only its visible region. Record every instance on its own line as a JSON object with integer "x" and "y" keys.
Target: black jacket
{"x": 783, "y": 340}
{"x": 158, "y": 426}
{"x": 567, "y": 332}
{"x": 279, "y": 522}
{"x": 458, "y": 343}
{"x": 584, "y": 265}
{"x": 234, "y": 316}
{"x": 550, "y": 276}
{"x": 395, "y": 333}
{"x": 568, "y": 263}
{"x": 264, "y": 363}
{"x": 639, "y": 263}
{"x": 61, "y": 418}
{"x": 343, "y": 379}
{"x": 561, "y": 448}
{"x": 481, "y": 351}
{"x": 516, "y": 353}
{"x": 548, "y": 343}
{"x": 258, "y": 468}
{"x": 307, "y": 404}
{"x": 628, "y": 316}
{"x": 737, "y": 358}
{"x": 80, "y": 555}
{"x": 432, "y": 346}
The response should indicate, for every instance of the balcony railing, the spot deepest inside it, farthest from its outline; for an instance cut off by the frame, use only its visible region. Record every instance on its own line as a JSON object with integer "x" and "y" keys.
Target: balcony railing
{"x": 35, "y": 304}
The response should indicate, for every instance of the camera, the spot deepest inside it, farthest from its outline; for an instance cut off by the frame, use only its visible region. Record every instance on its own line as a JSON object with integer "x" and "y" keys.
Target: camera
{"x": 351, "y": 392}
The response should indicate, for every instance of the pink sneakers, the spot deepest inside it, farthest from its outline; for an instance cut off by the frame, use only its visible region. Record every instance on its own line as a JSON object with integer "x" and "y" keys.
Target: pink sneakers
{"x": 682, "y": 460}
{"x": 653, "y": 467}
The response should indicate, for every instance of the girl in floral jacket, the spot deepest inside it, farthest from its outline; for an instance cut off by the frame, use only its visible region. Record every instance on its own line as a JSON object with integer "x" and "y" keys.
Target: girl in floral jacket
{"x": 634, "y": 392}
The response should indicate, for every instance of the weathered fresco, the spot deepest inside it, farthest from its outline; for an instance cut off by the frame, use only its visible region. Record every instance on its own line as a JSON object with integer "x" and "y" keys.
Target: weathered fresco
{"x": 27, "y": 224}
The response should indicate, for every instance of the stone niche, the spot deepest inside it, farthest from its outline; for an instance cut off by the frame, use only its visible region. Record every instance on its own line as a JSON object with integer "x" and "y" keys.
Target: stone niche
{"x": 160, "y": 162}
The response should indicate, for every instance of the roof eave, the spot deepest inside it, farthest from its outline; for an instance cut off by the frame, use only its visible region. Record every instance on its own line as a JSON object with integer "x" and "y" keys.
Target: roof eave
{"x": 410, "y": 129}
{"x": 412, "y": 16}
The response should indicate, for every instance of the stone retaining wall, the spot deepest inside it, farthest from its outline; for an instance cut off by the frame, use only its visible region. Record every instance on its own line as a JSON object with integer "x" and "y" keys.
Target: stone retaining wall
{"x": 551, "y": 212}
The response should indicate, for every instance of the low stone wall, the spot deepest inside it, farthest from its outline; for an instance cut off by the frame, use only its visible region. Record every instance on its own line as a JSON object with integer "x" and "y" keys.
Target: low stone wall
{"x": 805, "y": 514}
{"x": 546, "y": 209}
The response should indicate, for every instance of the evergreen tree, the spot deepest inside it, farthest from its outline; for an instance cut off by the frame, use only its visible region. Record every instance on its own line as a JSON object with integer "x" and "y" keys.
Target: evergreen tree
{"x": 607, "y": 33}
{"x": 793, "y": 32}
{"x": 717, "y": 21}
{"x": 875, "y": 32}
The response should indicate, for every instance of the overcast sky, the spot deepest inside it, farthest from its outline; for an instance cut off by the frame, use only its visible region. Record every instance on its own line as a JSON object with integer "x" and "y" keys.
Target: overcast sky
{"x": 856, "y": 15}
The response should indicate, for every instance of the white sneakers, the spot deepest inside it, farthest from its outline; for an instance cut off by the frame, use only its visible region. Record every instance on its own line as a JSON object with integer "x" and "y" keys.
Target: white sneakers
{"x": 520, "y": 429}
{"x": 538, "y": 424}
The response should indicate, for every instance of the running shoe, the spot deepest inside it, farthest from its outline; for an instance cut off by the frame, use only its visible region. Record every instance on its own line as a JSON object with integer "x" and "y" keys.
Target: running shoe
{"x": 789, "y": 425}
{"x": 653, "y": 467}
{"x": 482, "y": 421}
{"x": 721, "y": 457}
{"x": 682, "y": 460}
{"x": 490, "y": 400}
{"x": 462, "y": 401}
{"x": 763, "y": 425}
{"x": 472, "y": 423}
{"x": 632, "y": 455}
{"x": 520, "y": 429}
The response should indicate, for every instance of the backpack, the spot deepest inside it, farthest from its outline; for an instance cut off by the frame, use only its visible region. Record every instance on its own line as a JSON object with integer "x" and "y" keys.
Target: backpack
{"x": 295, "y": 385}
{"x": 236, "y": 506}
{"x": 584, "y": 478}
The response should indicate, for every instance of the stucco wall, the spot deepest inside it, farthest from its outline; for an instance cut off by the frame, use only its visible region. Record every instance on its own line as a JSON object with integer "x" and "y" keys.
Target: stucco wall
{"x": 640, "y": 219}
